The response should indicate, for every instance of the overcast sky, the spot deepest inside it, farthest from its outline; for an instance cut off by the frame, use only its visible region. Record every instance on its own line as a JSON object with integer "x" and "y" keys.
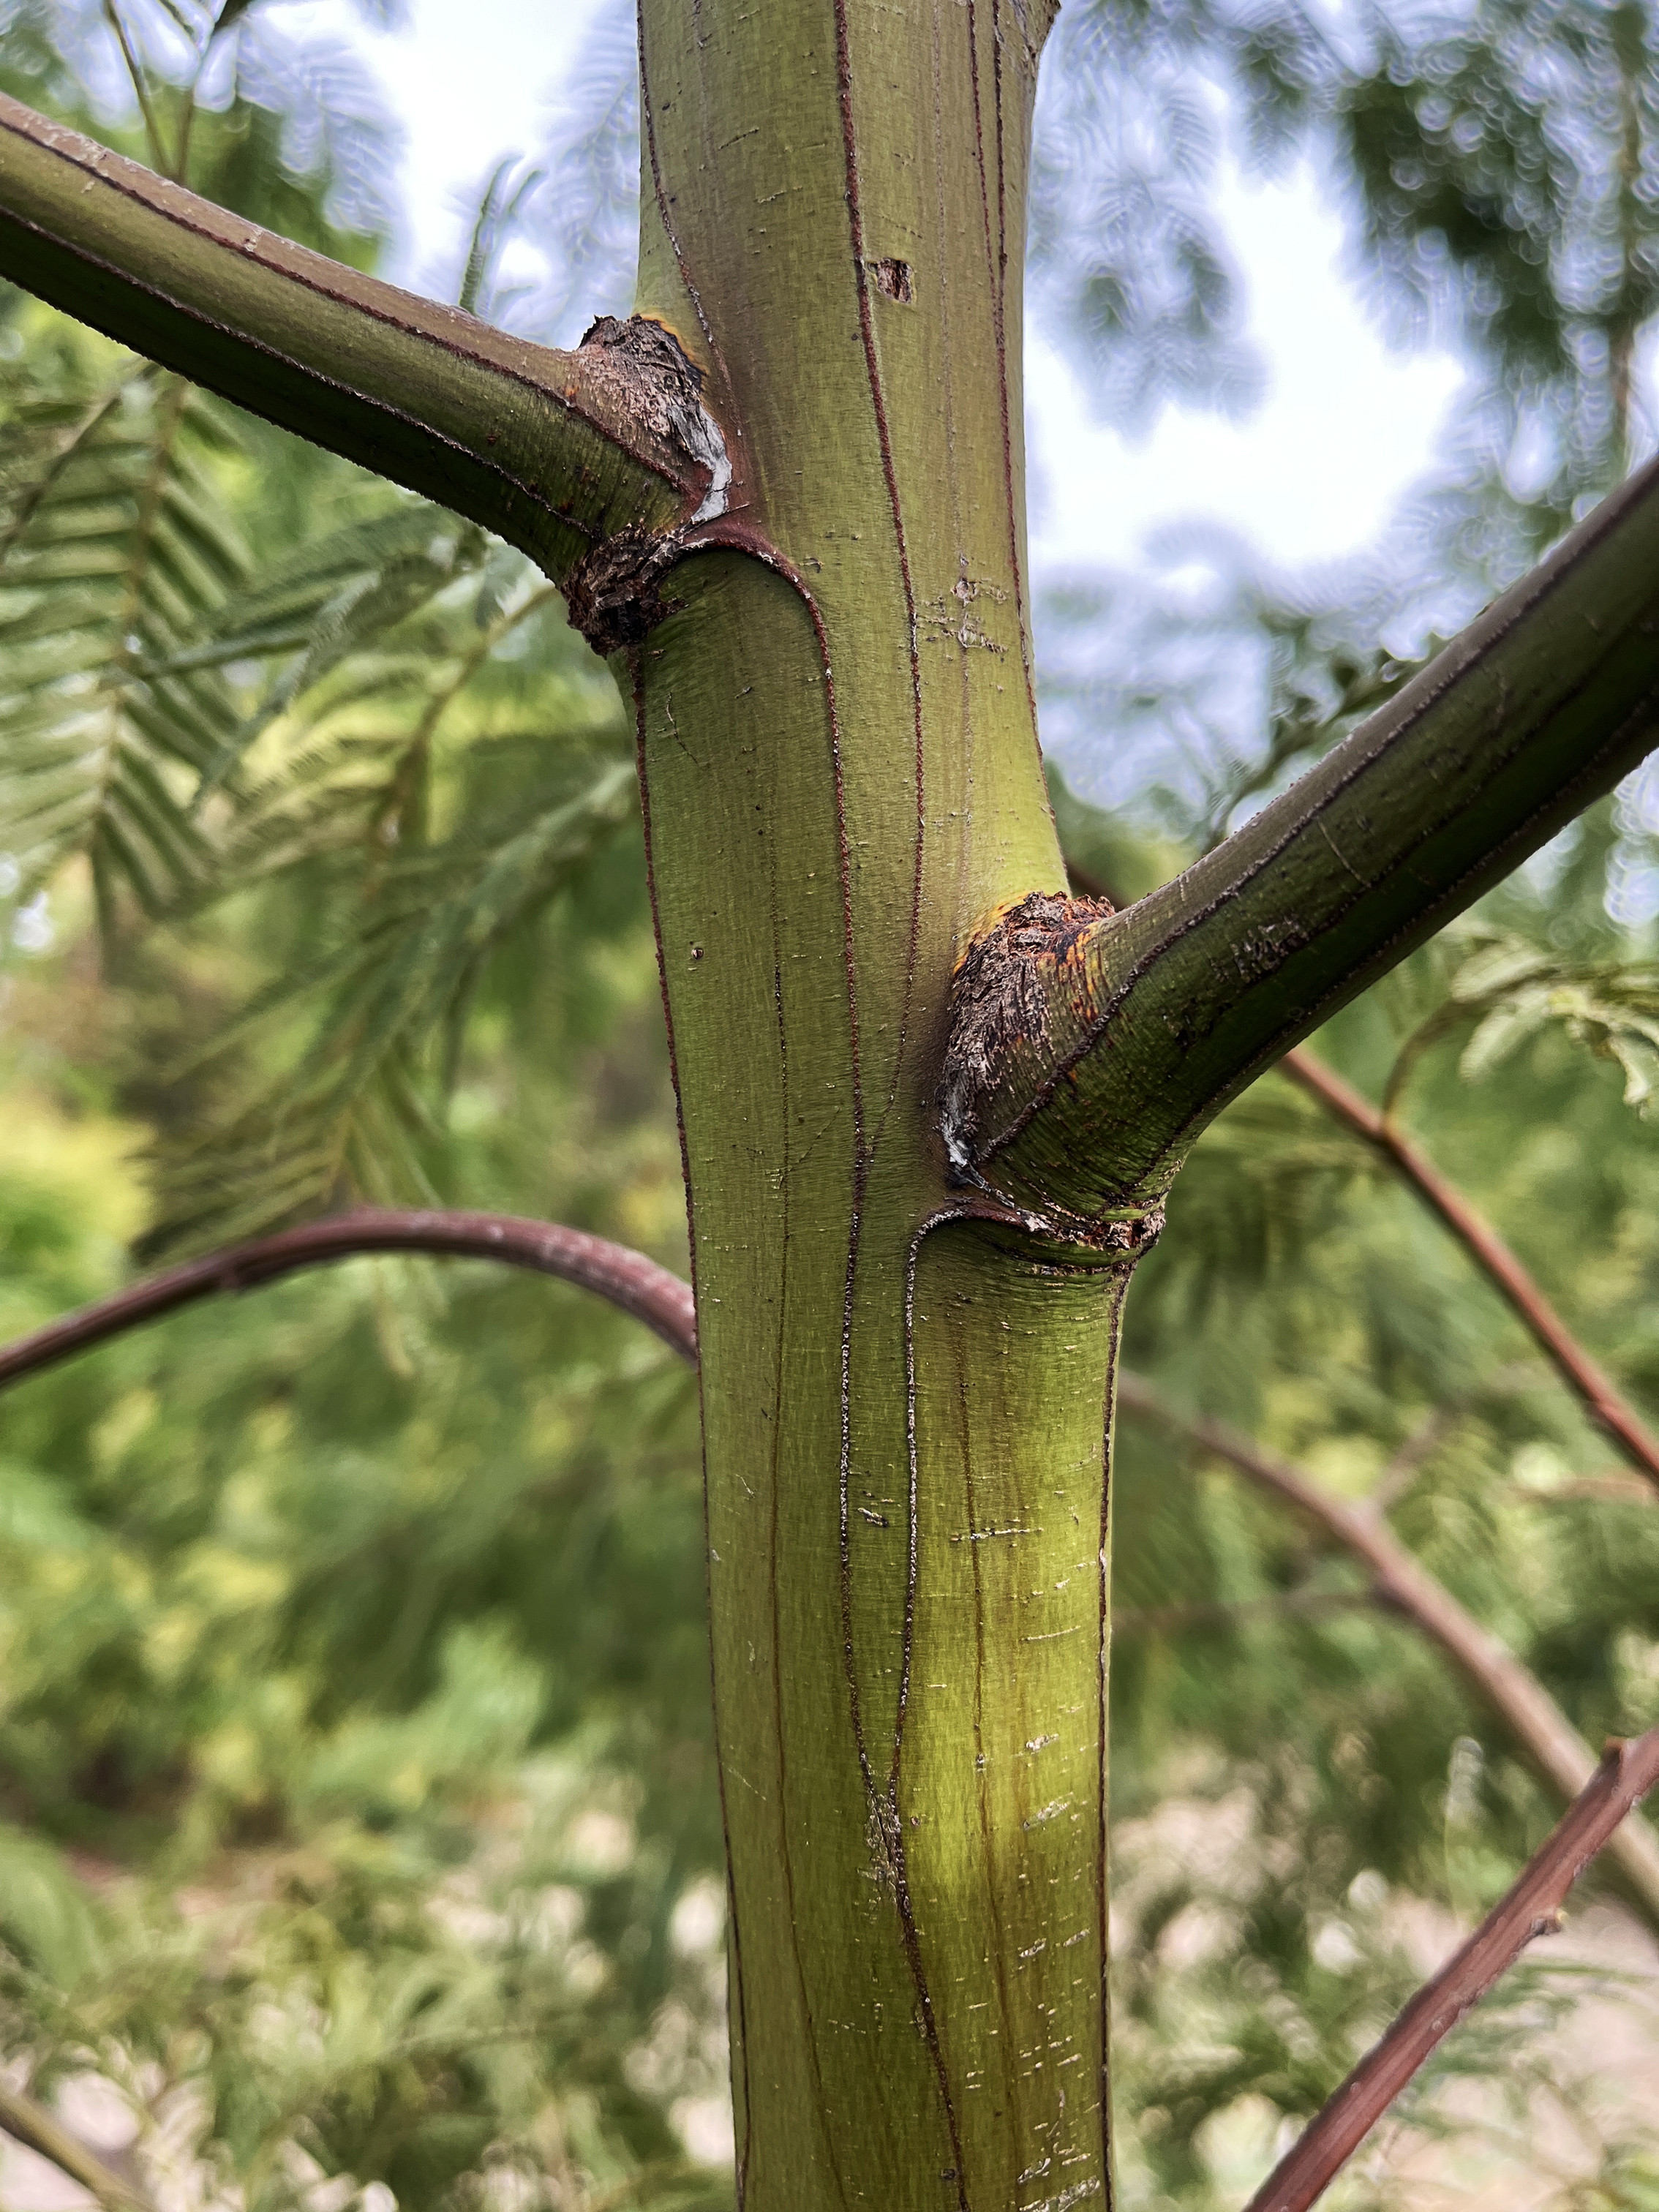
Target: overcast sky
{"x": 1311, "y": 473}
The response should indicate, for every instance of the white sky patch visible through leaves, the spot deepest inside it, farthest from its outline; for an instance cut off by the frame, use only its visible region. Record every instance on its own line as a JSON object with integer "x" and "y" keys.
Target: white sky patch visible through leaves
{"x": 1311, "y": 473}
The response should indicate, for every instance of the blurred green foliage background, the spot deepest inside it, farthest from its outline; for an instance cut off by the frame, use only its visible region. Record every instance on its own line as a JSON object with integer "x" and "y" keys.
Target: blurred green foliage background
{"x": 358, "y": 1817}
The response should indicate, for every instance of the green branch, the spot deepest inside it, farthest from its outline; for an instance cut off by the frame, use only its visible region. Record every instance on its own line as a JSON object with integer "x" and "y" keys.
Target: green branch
{"x": 1089, "y": 1049}
{"x": 555, "y": 451}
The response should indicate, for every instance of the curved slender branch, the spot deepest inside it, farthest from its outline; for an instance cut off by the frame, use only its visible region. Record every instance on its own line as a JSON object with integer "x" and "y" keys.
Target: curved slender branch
{"x": 1604, "y": 1489}
{"x": 1287, "y": 1605}
{"x": 30, "y": 2122}
{"x": 1089, "y": 1049}
{"x": 1486, "y": 1664}
{"x": 651, "y": 1294}
{"x": 1601, "y": 1396}
{"x": 1532, "y": 1908}
{"x": 554, "y": 451}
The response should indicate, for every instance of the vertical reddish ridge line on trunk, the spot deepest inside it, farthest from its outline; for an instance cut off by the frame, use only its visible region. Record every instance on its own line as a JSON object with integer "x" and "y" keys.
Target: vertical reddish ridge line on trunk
{"x": 727, "y": 533}
{"x": 636, "y": 684}
{"x": 965, "y": 685}
{"x": 1002, "y": 204}
{"x": 743, "y": 537}
{"x": 980, "y": 1761}
{"x": 776, "y": 1454}
{"x": 872, "y": 370}
{"x": 1103, "y": 1868}
{"x": 901, "y": 1877}
{"x": 999, "y": 1949}
{"x": 884, "y": 435}
{"x": 997, "y": 257}
{"x": 912, "y": 1259}
{"x": 741, "y": 2158}
{"x": 978, "y": 1210}
{"x": 945, "y": 1215}
{"x": 844, "y": 1495}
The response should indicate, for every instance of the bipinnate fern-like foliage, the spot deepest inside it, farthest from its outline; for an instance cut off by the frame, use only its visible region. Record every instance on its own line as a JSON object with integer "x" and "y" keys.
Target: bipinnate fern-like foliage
{"x": 192, "y": 729}
{"x": 387, "y": 1003}
{"x": 116, "y": 549}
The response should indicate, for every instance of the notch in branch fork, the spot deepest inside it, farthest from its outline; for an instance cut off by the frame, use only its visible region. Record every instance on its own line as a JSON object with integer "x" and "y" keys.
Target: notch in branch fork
{"x": 556, "y": 449}
{"x": 611, "y": 594}
{"x": 998, "y": 1002}
{"x": 1001, "y": 993}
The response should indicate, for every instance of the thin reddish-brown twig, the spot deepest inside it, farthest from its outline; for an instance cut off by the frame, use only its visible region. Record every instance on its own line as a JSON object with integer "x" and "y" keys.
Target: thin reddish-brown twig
{"x": 29, "y": 2122}
{"x": 1400, "y": 1581}
{"x": 1532, "y": 1908}
{"x": 661, "y": 1300}
{"x": 1602, "y": 1397}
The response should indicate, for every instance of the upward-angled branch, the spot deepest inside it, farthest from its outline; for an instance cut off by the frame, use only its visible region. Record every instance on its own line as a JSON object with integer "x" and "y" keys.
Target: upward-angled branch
{"x": 1486, "y": 1664}
{"x": 556, "y": 451}
{"x": 1600, "y": 1395}
{"x": 1591, "y": 1382}
{"x": 1089, "y": 1049}
{"x": 1531, "y": 1908}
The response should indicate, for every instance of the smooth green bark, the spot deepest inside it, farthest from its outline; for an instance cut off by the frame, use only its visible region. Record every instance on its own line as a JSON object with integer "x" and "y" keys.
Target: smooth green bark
{"x": 904, "y": 1414}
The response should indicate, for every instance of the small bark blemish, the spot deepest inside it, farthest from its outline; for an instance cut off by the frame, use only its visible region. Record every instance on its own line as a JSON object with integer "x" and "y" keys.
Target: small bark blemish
{"x": 612, "y": 595}
{"x": 893, "y": 280}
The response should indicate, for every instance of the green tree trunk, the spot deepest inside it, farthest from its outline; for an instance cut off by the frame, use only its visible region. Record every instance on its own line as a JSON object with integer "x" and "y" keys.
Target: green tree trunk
{"x": 930, "y": 1107}
{"x": 905, "y": 1411}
